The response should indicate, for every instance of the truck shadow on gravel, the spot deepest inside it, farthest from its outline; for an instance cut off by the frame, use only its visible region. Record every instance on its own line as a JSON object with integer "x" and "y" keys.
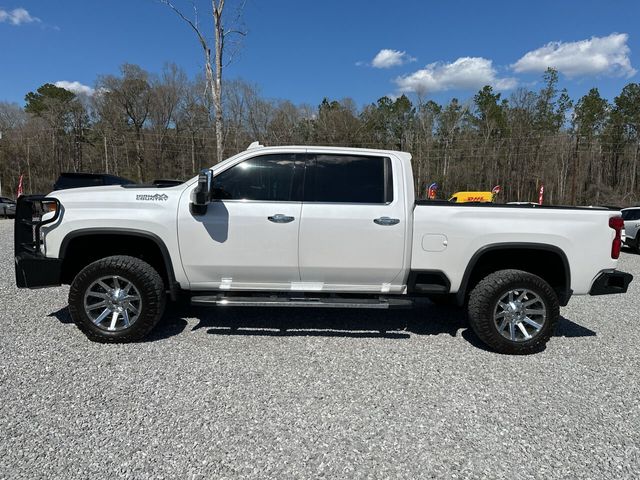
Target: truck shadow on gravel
{"x": 426, "y": 319}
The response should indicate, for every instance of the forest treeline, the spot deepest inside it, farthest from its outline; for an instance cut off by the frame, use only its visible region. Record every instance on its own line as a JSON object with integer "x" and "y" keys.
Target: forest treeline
{"x": 147, "y": 126}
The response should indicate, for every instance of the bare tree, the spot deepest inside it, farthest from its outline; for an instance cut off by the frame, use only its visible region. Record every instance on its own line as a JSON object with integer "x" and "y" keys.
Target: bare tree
{"x": 193, "y": 117}
{"x": 213, "y": 73}
{"x": 132, "y": 93}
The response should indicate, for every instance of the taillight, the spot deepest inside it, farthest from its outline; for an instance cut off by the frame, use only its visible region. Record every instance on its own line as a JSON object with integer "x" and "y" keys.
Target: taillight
{"x": 617, "y": 224}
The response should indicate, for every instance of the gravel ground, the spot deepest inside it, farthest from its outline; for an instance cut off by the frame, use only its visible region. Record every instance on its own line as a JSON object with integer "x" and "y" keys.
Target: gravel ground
{"x": 311, "y": 394}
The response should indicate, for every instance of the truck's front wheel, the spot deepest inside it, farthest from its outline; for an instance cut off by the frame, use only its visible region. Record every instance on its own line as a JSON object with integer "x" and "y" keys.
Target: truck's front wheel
{"x": 117, "y": 299}
{"x": 514, "y": 312}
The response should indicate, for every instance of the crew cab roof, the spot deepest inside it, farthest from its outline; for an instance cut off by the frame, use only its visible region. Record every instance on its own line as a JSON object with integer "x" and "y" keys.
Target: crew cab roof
{"x": 325, "y": 148}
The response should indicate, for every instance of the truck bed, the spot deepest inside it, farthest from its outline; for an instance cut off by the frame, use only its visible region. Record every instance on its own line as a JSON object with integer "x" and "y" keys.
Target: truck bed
{"x": 446, "y": 236}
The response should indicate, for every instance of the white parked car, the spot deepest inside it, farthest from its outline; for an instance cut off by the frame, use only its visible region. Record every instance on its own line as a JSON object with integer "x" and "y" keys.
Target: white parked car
{"x": 313, "y": 226}
{"x": 631, "y": 217}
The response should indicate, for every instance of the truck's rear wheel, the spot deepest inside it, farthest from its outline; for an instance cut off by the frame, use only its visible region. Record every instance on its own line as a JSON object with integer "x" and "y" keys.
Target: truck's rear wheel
{"x": 117, "y": 299}
{"x": 514, "y": 312}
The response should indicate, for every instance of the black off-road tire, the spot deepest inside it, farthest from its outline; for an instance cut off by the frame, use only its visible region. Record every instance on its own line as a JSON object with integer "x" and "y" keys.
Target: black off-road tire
{"x": 146, "y": 280}
{"x": 487, "y": 293}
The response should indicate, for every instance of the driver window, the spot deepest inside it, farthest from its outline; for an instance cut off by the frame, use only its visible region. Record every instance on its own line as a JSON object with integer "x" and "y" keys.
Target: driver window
{"x": 272, "y": 178}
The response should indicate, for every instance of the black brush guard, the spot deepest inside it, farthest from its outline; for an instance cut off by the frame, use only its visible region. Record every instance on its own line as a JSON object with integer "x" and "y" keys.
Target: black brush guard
{"x": 33, "y": 268}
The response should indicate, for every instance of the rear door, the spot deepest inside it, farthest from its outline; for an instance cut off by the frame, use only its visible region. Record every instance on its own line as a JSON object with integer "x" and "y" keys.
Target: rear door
{"x": 352, "y": 232}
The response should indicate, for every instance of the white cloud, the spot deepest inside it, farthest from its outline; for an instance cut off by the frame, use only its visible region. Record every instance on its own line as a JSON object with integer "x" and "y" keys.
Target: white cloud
{"x": 466, "y": 73}
{"x": 17, "y": 16}
{"x": 75, "y": 87}
{"x": 598, "y": 55}
{"x": 387, "y": 58}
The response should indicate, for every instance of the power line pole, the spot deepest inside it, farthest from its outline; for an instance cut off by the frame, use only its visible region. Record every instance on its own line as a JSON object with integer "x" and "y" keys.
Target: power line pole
{"x": 106, "y": 157}
{"x": 29, "y": 167}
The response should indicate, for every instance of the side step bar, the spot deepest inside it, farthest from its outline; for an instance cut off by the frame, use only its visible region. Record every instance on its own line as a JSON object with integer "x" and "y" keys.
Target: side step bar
{"x": 280, "y": 301}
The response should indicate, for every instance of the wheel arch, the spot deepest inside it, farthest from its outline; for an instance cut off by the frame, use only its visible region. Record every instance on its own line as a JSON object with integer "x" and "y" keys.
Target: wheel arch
{"x": 540, "y": 261}
{"x": 77, "y": 251}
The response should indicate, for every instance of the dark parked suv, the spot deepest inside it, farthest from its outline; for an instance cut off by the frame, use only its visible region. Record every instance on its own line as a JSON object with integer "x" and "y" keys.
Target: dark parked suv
{"x": 78, "y": 180}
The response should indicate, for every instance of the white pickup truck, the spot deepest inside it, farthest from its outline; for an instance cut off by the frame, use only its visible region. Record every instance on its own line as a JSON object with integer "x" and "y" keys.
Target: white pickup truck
{"x": 312, "y": 226}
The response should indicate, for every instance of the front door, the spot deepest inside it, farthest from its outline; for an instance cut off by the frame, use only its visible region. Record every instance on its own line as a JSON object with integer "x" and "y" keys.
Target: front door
{"x": 352, "y": 235}
{"x": 248, "y": 239}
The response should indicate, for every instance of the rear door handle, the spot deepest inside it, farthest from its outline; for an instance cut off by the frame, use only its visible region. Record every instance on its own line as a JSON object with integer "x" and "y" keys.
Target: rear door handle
{"x": 280, "y": 218}
{"x": 387, "y": 221}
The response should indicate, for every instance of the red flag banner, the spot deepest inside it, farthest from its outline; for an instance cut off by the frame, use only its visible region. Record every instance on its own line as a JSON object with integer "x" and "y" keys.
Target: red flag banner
{"x": 541, "y": 194}
{"x": 20, "y": 186}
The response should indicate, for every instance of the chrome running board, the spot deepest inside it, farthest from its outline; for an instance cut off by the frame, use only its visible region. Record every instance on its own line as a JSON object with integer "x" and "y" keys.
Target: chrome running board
{"x": 281, "y": 301}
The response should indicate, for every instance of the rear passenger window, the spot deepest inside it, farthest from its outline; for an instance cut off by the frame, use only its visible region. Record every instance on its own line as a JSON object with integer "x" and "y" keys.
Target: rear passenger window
{"x": 265, "y": 178}
{"x": 349, "y": 179}
{"x": 631, "y": 215}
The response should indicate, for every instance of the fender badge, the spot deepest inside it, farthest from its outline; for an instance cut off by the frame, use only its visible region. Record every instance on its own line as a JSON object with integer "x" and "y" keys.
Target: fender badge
{"x": 158, "y": 197}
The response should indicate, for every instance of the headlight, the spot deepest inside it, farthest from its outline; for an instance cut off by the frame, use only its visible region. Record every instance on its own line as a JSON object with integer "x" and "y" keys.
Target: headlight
{"x": 49, "y": 207}
{"x": 49, "y": 210}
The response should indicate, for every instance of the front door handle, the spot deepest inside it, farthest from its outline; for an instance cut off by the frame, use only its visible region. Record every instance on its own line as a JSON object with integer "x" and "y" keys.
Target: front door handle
{"x": 387, "y": 221}
{"x": 280, "y": 218}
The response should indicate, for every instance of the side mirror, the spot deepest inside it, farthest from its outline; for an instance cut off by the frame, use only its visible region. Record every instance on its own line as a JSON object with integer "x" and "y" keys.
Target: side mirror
{"x": 202, "y": 193}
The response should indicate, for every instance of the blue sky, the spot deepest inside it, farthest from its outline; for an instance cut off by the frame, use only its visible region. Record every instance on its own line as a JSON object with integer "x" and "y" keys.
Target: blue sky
{"x": 307, "y": 49}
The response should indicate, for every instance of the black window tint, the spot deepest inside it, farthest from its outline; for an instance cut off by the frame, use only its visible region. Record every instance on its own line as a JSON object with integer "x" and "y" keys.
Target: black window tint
{"x": 630, "y": 215}
{"x": 267, "y": 178}
{"x": 349, "y": 179}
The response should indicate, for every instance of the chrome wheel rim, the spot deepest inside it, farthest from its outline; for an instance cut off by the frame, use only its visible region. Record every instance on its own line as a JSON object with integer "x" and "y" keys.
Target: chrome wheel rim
{"x": 112, "y": 303}
{"x": 520, "y": 315}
